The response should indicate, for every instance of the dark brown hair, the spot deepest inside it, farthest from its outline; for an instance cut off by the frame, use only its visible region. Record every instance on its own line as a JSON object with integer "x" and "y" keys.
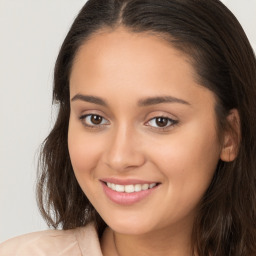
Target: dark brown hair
{"x": 209, "y": 34}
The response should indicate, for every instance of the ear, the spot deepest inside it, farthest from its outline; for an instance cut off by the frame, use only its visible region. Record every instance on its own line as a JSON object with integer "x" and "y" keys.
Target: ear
{"x": 231, "y": 138}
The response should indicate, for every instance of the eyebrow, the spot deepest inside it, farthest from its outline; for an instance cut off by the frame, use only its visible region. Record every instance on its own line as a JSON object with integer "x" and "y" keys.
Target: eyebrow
{"x": 142, "y": 103}
{"x": 161, "y": 99}
{"x": 91, "y": 99}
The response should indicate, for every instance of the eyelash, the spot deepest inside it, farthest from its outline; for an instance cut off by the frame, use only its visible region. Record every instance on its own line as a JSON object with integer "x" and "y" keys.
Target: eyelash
{"x": 171, "y": 122}
{"x": 92, "y": 126}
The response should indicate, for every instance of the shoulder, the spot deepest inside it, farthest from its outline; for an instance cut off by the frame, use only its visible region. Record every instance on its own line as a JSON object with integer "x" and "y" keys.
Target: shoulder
{"x": 76, "y": 242}
{"x": 49, "y": 242}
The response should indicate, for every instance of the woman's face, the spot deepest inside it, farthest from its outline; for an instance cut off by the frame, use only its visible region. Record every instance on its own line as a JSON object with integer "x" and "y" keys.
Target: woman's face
{"x": 141, "y": 123}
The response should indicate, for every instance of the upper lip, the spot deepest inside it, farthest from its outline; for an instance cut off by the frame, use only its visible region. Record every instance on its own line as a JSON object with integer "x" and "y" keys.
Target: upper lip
{"x": 126, "y": 181}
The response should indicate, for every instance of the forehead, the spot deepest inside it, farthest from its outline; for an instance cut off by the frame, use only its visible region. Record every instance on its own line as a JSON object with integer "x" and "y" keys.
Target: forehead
{"x": 141, "y": 64}
{"x": 122, "y": 49}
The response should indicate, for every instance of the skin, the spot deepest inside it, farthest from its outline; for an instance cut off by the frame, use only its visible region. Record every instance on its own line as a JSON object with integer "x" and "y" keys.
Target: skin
{"x": 124, "y": 68}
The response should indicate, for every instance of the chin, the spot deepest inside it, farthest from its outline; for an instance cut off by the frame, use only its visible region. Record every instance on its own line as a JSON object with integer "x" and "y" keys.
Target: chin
{"x": 129, "y": 230}
{"x": 129, "y": 226}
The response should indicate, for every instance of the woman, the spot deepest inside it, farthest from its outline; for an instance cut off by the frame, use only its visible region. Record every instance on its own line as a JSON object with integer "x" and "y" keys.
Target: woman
{"x": 153, "y": 149}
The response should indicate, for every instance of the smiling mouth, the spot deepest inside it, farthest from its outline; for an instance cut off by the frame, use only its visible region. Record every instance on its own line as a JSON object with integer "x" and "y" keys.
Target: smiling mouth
{"x": 128, "y": 192}
{"x": 130, "y": 188}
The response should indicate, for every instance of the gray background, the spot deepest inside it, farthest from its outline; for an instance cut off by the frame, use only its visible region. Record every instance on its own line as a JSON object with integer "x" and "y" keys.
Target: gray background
{"x": 31, "y": 32}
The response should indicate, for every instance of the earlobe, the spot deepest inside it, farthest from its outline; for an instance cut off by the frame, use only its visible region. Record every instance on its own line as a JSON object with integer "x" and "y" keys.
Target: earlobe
{"x": 231, "y": 140}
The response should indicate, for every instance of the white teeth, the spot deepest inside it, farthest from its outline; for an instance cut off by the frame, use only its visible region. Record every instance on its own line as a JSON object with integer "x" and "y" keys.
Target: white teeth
{"x": 152, "y": 185}
{"x": 130, "y": 188}
{"x": 119, "y": 188}
{"x": 145, "y": 186}
{"x": 137, "y": 188}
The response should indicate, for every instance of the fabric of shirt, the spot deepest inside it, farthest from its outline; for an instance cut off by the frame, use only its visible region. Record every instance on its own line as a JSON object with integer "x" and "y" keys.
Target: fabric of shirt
{"x": 82, "y": 241}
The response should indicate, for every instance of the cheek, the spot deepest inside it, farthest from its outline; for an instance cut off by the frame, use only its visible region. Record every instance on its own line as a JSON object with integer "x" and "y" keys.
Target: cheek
{"x": 84, "y": 154}
{"x": 84, "y": 151}
{"x": 191, "y": 149}
{"x": 188, "y": 161}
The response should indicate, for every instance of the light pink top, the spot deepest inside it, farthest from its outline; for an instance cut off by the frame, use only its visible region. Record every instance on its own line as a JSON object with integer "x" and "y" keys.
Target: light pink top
{"x": 77, "y": 242}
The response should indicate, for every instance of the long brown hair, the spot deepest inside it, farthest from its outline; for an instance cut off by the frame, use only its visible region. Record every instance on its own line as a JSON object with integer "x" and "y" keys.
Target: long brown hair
{"x": 209, "y": 34}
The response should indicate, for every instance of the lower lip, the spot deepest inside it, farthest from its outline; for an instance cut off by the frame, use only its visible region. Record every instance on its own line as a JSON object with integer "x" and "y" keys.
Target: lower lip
{"x": 123, "y": 198}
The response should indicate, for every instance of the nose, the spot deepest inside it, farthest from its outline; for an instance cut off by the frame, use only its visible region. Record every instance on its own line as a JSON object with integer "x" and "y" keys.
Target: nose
{"x": 124, "y": 151}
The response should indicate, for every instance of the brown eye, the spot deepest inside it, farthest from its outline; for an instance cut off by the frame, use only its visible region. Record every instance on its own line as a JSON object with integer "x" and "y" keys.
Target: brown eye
{"x": 95, "y": 119}
{"x": 161, "y": 121}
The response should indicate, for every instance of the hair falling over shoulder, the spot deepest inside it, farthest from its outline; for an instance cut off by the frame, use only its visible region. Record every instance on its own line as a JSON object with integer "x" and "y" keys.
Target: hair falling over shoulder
{"x": 215, "y": 43}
